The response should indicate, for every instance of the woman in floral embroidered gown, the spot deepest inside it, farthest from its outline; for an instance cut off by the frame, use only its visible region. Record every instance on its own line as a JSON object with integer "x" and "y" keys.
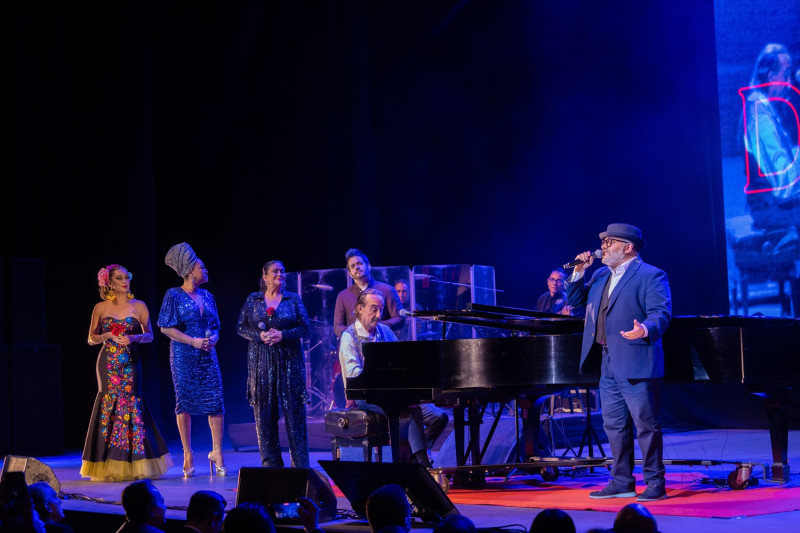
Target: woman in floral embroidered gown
{"x": 123, "y": 442}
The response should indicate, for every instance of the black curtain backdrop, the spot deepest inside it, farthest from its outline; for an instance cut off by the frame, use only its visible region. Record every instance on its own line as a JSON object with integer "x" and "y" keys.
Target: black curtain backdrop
{"x": 497, "y": 133}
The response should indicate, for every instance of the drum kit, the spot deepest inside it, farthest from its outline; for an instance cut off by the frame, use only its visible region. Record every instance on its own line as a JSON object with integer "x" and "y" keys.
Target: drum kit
{"x": 324, "y": 381}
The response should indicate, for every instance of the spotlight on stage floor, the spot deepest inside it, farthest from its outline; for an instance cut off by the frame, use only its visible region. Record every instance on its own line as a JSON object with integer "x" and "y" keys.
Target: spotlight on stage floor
{"x": 358, "y": 480}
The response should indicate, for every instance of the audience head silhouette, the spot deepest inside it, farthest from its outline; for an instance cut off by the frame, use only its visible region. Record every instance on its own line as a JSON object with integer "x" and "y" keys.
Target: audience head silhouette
{"x": 17, "y": 514}
{"x": 387, "y": 507}
{"x": 46, "y": 502}
{"x": 206, "y": 511}
{"x": 635, "y": 518}
{"x": 143, "y": 504}
{"x": 248, "y": 518}
{"x": 455, "y": 523}
{"x": 552, "y": 521}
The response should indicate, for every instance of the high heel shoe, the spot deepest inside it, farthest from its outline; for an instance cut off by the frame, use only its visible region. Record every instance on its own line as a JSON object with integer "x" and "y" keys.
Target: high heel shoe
{"x": 188, "y": 472}
{"x": 213, "y": 466}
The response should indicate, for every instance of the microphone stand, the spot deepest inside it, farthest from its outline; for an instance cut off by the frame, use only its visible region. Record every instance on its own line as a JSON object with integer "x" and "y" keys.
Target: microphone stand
{"x": 313, "y": 392}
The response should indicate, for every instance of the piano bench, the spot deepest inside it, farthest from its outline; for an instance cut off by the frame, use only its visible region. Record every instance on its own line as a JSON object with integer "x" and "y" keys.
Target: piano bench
{"x": 357, "y": 428}
{"x": 369, "y": 444}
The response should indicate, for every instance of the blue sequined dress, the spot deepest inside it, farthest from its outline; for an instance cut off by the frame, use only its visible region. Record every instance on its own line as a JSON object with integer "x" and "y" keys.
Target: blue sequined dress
{"x": 195, "y": 373}
{"x": 276, "y": 375}
{"x": 123, "y": 442}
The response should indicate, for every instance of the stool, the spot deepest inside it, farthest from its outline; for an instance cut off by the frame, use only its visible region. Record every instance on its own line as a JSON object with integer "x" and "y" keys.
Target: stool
{"x": 356, "y": 427}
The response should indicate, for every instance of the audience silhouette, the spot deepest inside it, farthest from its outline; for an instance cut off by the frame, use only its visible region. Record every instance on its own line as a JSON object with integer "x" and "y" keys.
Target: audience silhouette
{"x": 552, "y": 521}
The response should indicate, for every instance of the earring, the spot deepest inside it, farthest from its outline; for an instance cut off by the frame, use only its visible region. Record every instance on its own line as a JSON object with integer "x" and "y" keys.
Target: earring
{"x": 130, "y": 295}
{"x": 111, "y": 294}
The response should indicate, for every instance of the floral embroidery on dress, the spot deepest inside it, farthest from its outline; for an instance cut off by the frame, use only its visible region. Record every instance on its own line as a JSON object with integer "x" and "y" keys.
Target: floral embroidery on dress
{"x": 122, "y": 411}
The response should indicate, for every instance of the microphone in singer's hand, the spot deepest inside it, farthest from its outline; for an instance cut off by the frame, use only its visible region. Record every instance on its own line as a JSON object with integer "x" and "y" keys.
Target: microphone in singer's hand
{"x": 261, "y": 325}
{"x": 208, "y": 333}
{"x": 322, "y": 286}
{"x": 597, "y": 254}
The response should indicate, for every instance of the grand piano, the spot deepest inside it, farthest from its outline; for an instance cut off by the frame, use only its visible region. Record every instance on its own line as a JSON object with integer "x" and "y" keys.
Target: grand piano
{"x": 539, "y": 354}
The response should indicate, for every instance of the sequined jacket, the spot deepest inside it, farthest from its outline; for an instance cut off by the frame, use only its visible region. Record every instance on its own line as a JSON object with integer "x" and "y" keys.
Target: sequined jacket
{"x": 290, "y": 317}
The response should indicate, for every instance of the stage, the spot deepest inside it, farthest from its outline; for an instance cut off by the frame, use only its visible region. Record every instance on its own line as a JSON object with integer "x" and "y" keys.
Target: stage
{"x": 697, "y": 499}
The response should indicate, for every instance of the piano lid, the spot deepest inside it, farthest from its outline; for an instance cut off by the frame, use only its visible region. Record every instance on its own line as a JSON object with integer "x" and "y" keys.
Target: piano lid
{"x": 509, "y": 318}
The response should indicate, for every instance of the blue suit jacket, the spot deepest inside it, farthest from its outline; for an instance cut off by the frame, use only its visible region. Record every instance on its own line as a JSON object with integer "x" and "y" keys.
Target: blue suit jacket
{"x": 642, "y": 294}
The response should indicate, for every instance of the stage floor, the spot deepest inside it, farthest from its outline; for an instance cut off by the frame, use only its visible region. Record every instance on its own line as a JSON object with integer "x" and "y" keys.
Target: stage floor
{"x": 83, "y": 496}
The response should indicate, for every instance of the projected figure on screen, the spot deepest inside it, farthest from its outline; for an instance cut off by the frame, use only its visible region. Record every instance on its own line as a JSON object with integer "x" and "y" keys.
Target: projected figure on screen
{"x": 770, "y": 141}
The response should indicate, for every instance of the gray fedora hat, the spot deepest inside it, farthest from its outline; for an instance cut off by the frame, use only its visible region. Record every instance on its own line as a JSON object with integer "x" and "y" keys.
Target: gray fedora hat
{"x": 625, "y": 232}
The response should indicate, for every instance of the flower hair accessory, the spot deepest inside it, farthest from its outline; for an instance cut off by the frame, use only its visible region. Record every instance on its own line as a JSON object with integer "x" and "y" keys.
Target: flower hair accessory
{"x": 102, "y": 274}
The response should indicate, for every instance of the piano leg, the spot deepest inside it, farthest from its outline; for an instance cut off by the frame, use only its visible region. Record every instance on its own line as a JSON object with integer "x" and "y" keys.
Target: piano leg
{"x": 458, "y": 433}
{"x": 460, "y": 422}
{"x": 777, "y": 413}
{"x": 398, "y": 435}
{"x": 537, "y": 431}
{"x": 473, "y": 411}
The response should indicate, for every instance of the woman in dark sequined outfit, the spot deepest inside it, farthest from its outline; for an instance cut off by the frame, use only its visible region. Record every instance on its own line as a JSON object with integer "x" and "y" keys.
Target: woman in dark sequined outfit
{"x": 274, "y": 321}
{"x": 123, "y": 442}
{"x": 189, "y": 318}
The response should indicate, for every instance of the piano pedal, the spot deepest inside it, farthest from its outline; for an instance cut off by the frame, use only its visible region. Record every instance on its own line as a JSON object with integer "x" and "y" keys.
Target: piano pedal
{"x": 441, "y": 479}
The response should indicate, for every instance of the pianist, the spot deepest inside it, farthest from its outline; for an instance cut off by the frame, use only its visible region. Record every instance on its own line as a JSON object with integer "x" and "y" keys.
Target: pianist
{"x": 367, "y": 328}
{"x": 628, "y": 308}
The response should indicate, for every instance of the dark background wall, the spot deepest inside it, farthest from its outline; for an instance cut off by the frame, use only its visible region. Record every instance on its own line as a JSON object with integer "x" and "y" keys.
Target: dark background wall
{"x": 498, "y": 133}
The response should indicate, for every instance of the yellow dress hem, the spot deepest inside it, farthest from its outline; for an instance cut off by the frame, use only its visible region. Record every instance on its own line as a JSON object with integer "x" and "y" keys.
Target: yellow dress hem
{"x": 113, "y": 470}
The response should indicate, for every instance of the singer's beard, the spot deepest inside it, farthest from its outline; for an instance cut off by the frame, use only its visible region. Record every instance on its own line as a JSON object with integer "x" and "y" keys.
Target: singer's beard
{"x": 613, "y": 258}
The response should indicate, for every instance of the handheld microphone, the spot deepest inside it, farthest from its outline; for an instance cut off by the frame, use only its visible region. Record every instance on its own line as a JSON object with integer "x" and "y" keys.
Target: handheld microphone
{"x": 322, "y": 286}
{"x": 208, "y": 333}
{"x": 405, "y": 312}
{"x": 597, "y": 254}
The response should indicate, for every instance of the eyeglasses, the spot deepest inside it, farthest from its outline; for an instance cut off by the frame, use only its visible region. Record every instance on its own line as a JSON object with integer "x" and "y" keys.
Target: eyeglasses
{"x": 555, "y": 280}
{"x": 609, "y": 242}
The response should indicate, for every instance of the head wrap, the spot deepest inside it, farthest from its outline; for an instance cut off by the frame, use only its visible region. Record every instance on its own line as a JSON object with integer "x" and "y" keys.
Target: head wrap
{"x": 181, "y": 258}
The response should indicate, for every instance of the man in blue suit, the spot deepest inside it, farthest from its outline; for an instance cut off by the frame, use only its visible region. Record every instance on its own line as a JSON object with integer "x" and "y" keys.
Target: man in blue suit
{"x": 628, "y": 308}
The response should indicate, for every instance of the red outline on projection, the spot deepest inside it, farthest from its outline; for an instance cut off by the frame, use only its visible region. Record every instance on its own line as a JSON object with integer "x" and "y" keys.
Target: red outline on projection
{"x": 744, "y": 122}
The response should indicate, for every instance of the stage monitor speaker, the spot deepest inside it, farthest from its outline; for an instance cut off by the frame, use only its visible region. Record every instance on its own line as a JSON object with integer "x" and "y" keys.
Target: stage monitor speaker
{"x": 33, "y": 469}
{"x": 358, "y": 480}
{"x": 276, "y": 487}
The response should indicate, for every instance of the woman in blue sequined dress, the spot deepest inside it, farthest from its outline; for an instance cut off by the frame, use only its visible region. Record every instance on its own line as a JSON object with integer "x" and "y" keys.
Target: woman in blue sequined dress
{"x": 123, "y": 442}
{"x": 189, "y": 318}
{"x": 274, "y": 321}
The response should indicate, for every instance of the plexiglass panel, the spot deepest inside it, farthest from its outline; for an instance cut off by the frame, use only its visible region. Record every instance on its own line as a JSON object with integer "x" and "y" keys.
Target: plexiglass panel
{"x": 430, "y": 287}
{"x": 451, "y": 287}
{"x": 318, "y": 289}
